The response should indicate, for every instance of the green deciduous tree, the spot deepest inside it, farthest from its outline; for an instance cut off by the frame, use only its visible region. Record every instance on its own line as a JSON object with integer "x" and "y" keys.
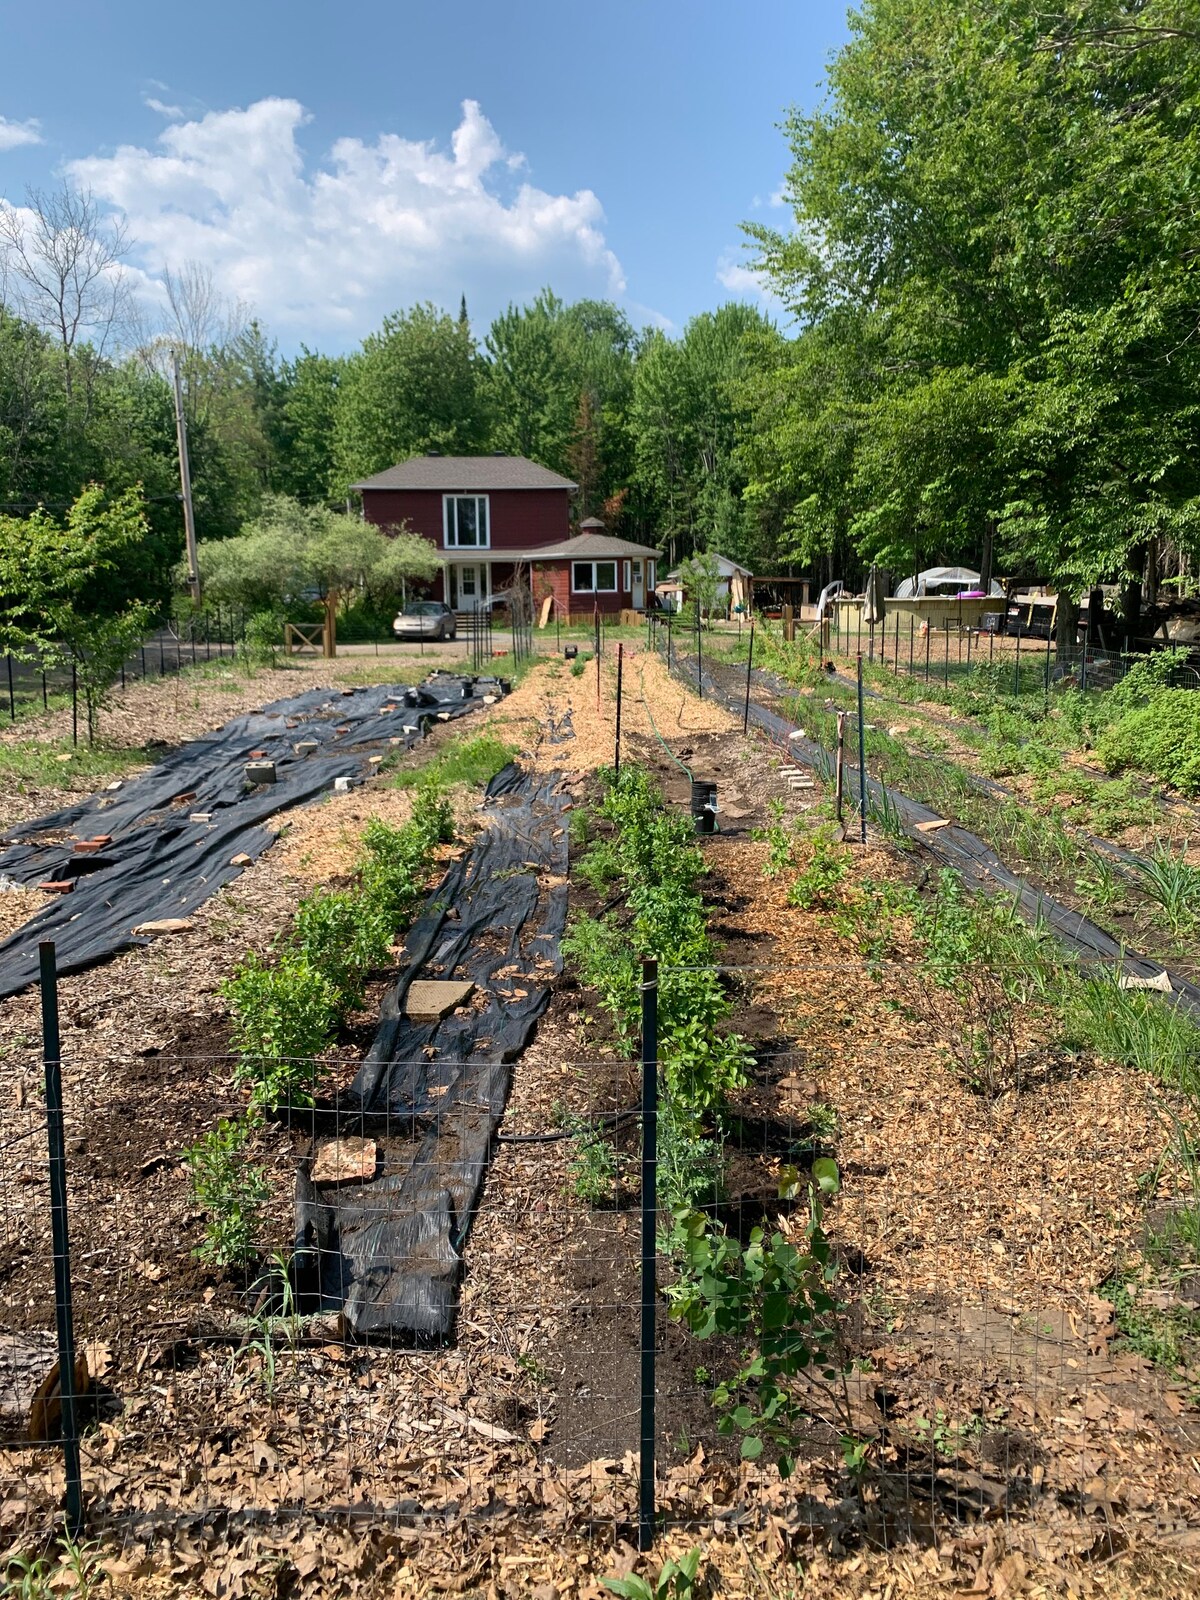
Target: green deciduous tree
{"x": 412, "y": 387}
{"x": 684, "y": 418}
{"x": 558, "y": 381}
{"x": 291, "y": 551}
{"x": 994, "y": 265}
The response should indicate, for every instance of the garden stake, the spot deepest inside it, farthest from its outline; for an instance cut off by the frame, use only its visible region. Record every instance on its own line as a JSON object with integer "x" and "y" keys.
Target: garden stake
{"x": 649, "y": 1244}
{"x": 1017, "y": 664}
{"x": 45, "y": 696}
{"x": 839, "y": 775}
{"x": 12, "y": 701}
{"x": 912, "y": 629}
{"x": 928, "y": 637}
{"x": 862, "y": 758}
{"x": 74, "y": 704}
{"x": 668, "y": 641}
{"x": 749, "y": 666}
{"x": 991, "y": 647}
{"x": 699, "y": 656}
{"x": 946, "y": 670}
{"x": 1046, "y": 686}
{"x": 51, "y": 1054}
{"x": 617, "y": 753}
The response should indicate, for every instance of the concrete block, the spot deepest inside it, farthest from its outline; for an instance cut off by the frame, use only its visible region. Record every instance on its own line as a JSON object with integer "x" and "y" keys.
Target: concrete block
{"x": 306, "y": 747}
{"x": 431, "y": 999}
{"x": 260, "y": 772}
{"x": 200, "y": 816}
{"x": 343, "y": 785}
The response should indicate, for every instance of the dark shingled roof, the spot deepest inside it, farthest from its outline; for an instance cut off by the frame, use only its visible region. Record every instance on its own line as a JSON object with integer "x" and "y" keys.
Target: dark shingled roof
{"x": 589, "y": 546}
{"x": 472, "y": 474}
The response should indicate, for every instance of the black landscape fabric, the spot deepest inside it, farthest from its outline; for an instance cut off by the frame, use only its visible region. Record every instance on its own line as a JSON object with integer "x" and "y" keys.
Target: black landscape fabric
{"x": 388, "y": 1252}
{"x": 161, "y": 863}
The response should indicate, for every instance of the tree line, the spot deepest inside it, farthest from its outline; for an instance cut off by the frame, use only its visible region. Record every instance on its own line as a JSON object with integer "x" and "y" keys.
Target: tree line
{"x": 996, "y": 267}
{"x": 994, "y": 357}
{"x": 646, "y": 424}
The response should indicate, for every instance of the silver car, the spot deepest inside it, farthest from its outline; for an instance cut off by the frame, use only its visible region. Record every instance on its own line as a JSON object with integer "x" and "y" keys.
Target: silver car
{"x": 425, "y": 619}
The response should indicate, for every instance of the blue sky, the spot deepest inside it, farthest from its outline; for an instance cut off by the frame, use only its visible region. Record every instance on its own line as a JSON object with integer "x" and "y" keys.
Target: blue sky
{"x": 329, "y": 163}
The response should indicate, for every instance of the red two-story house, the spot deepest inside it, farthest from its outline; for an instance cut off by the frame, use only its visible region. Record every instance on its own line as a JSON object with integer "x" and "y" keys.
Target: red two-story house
{"x": 487, "y": 514}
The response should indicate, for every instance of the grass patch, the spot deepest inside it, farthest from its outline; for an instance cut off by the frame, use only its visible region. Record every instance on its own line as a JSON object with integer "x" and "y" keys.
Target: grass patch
{"x": 461, "y": 760}
{"x": 51, "y": 763}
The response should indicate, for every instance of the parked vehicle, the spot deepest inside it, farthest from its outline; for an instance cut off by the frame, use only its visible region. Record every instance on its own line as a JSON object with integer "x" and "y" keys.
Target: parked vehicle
{"x": 425, "y": 619}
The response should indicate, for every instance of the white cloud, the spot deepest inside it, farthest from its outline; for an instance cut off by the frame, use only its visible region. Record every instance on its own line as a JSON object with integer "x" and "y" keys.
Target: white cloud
{"x": 172, "y": 113}
{"x": 372, "y": 227}
{"x": 740, "y": 279}
{"x": 13, "y": 134}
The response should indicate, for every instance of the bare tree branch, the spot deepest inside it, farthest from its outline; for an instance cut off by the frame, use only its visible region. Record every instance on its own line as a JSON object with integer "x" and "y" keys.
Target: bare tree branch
{"x": 62, "y": 268}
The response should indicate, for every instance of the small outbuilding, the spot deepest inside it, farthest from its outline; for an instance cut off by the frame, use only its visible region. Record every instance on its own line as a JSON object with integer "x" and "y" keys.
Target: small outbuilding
{"x": 735, "y": 585}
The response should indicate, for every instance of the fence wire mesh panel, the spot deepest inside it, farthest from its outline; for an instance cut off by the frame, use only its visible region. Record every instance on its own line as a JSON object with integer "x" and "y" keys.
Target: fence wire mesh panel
{"x": 900, "y": 1261}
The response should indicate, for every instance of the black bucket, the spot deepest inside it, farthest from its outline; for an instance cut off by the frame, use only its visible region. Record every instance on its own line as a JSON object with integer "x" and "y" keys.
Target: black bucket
{"x": 704, "y": 806}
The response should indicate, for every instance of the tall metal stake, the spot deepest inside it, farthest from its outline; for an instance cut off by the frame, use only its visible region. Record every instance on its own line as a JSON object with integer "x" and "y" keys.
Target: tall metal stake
{"x": 699, "y": 656}
{"x": 52, "y": 1055}
{"x": 649, "y": 1247}
{"x": 749, "y": 669}
{"x": 862, "y": 759}
{"x": 620, "y": 665}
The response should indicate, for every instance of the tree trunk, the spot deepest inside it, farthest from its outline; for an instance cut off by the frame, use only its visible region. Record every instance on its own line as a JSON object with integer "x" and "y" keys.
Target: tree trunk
{"x": 1066, "y": 625}
{"x": 1131, "y": 593}
{"x": 1151, "y": 576}
{"x": 985, "y": 565}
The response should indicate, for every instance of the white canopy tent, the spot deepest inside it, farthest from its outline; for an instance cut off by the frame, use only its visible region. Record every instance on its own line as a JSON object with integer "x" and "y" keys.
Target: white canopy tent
{"x": 942, "y": 581}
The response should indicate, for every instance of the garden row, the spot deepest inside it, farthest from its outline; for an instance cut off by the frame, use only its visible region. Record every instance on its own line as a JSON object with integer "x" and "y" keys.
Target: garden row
{"x": 1023, "y": 737}
{"x": 285, "y": 1011}
{"x": 771, "y": 1297}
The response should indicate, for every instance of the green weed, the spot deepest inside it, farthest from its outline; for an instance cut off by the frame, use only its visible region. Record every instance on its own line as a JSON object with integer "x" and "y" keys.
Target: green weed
{"x": 474, "y": 762}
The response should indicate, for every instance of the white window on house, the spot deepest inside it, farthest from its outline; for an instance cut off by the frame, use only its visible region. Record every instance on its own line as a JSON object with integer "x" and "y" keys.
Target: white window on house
{"x": 466, "y": 521}
{"x": 594, "y": 577}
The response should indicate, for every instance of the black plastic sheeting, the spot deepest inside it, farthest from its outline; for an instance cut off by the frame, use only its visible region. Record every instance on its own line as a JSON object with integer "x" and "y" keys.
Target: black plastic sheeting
{"x": 388, "y": 1252}
{"x": 162, "y": 864}
{"x": 980, "y": 867}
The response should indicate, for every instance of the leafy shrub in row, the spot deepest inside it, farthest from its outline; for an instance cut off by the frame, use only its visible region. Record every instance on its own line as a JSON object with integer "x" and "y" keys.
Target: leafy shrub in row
{"x": 285, "y": 1013}
{"x": 653, "y": 856}
{"x": 231, "y": 1190}
{"x": 1161, "y": 737}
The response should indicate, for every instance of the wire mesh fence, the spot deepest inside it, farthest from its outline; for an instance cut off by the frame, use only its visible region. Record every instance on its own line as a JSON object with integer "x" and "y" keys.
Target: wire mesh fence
{"x": 32, "y": 685}
{"x": 926, "y": 1256}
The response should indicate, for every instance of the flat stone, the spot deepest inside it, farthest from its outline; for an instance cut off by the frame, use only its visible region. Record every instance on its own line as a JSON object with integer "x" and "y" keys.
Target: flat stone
{"x": 164, "y": 925}
{"x": 348, "y": 1160}
{"x": 1131, "y": 980}
{"x": 241, "y": 860}
{"x": 934, "y": 824}
{"x": 431, "y": 999}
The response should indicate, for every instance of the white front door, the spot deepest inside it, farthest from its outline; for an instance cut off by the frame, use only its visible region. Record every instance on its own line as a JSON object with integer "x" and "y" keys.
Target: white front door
{"x": 472, "y": 585}
{"x": 637, "y": 588}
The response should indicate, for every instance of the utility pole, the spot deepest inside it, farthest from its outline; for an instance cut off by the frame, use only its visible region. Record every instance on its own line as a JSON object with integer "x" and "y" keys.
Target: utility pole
{"x": 185, "y": 484}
